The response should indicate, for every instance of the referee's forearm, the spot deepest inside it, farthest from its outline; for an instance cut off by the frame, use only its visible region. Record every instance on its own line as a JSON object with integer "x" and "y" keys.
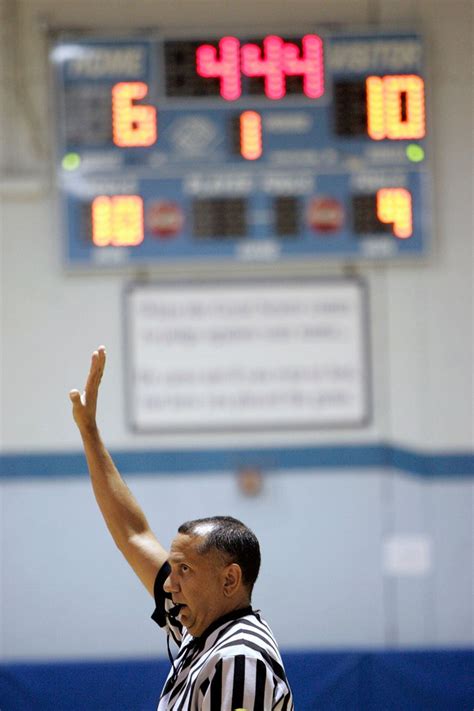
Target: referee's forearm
{"x": 121, "y": 512}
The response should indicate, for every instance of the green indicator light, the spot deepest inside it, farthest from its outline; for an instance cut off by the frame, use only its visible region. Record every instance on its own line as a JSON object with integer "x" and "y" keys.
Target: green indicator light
{"x": 71, "y": 161}
{"x": 415, "y": 153}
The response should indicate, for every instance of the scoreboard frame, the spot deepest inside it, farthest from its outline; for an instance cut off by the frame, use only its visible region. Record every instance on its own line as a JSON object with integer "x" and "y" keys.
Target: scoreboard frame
{"x": 198, "y": 215}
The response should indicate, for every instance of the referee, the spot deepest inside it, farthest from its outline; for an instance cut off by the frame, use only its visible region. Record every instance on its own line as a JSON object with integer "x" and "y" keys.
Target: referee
{"x": 228, "y": 658}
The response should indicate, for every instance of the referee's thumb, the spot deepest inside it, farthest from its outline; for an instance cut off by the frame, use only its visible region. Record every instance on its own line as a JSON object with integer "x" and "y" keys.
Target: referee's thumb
{"x": 75, "y": 396}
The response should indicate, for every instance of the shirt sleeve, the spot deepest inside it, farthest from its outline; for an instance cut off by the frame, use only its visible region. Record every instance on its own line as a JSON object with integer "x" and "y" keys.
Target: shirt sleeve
{"x": 163, "y": 604}
{"x": 240, "y": 682}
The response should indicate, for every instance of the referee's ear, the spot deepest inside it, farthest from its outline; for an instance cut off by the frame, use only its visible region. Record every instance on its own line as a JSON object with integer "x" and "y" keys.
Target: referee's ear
{"x": 232, "y": 579}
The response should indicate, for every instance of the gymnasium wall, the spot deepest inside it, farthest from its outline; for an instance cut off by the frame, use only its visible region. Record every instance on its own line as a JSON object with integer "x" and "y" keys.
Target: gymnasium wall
{"x": 332, "y": 500}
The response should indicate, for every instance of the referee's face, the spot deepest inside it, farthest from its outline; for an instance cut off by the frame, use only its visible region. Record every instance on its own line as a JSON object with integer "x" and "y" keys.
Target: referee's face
{"x": 200, "y": 583}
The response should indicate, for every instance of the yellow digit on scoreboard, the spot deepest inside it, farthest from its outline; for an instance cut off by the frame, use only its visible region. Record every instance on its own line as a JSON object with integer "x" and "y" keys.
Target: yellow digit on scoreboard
{"x": 132, "y": 124}
{"x": 251, "y": 135}
{"x": 394, "y": 207}
{"x": 117, "y": 220}
{"x": 395, "y": 107}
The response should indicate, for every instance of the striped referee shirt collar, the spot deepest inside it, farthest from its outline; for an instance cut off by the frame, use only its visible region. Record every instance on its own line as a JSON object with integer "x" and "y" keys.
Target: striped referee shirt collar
{"x": 228, "y": 617}
{"x": 196, "y": 644}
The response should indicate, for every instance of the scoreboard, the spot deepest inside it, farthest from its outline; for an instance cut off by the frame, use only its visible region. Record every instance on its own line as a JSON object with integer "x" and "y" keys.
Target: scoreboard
{"x": 225, "y": 147}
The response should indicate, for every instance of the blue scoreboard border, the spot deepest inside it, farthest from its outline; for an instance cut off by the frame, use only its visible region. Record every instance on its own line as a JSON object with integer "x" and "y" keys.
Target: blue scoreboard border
{"x": 183, "y": 250}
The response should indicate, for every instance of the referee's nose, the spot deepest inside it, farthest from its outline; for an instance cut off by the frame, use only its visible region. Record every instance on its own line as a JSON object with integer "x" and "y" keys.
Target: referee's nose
{"x": 171, "y": 585}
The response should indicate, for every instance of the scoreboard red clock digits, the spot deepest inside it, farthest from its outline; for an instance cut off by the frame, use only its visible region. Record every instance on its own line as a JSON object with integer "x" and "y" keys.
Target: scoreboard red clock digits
{"x": 226, "y": 68}
{"x": 274, "y": 62}
{"x": 266, "y": 63}
{"x": 309, "y": 65}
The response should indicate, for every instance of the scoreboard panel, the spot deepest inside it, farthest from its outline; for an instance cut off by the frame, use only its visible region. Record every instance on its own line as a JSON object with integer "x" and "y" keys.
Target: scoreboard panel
{"x": 233, "y": 148}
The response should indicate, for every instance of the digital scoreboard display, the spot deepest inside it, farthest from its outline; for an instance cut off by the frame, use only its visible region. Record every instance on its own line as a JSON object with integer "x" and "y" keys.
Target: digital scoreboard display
{"x": 233, "y": 148}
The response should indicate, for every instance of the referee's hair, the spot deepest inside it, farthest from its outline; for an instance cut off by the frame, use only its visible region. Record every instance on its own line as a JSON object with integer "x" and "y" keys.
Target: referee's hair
{"x": 231, "y": 537}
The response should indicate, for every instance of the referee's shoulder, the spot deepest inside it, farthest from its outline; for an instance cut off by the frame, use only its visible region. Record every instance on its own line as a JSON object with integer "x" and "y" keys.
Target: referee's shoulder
{"x": 248, "y": 643}
{"x": 239, "y": 649}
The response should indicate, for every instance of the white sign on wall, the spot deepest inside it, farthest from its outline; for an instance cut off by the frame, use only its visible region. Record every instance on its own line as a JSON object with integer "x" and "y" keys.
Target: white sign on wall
{"x": 408, "y": 555}
{"x": 247, "y": 355}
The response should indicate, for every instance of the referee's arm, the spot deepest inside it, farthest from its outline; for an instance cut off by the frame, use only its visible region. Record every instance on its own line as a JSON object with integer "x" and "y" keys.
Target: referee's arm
{"x": 239, "y": 682}
{"x": 122, "y": 514}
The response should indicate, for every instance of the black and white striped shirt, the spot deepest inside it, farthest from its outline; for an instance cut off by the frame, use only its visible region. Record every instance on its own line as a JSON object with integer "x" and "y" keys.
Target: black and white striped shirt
{"x": 234, "y": 664}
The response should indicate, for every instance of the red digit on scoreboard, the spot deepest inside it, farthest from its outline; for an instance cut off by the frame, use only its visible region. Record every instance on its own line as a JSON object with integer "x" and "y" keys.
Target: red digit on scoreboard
{"x": 309, "y": 65}
{"x": 267, "y": 63}
{"x": 226, "y": 67}
{"x": 132, "y": 124}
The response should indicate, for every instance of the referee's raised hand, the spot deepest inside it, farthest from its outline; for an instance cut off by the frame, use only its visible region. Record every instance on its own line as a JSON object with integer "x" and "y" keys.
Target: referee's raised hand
{"x": 84, "y": 407}
{"x": 124, "y": 517}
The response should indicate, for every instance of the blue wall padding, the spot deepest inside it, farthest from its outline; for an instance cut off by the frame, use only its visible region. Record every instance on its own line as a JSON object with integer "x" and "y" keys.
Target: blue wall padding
{"x": 155, "y": 462}
{"x": 336, "y": 681}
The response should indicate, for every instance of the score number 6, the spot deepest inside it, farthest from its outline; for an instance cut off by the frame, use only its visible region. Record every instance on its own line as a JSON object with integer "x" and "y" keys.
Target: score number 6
{"x": 132, "y": 124}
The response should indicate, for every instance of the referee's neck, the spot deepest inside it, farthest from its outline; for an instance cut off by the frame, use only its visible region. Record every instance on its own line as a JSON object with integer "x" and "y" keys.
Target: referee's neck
{"x": 227, "y": 617}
